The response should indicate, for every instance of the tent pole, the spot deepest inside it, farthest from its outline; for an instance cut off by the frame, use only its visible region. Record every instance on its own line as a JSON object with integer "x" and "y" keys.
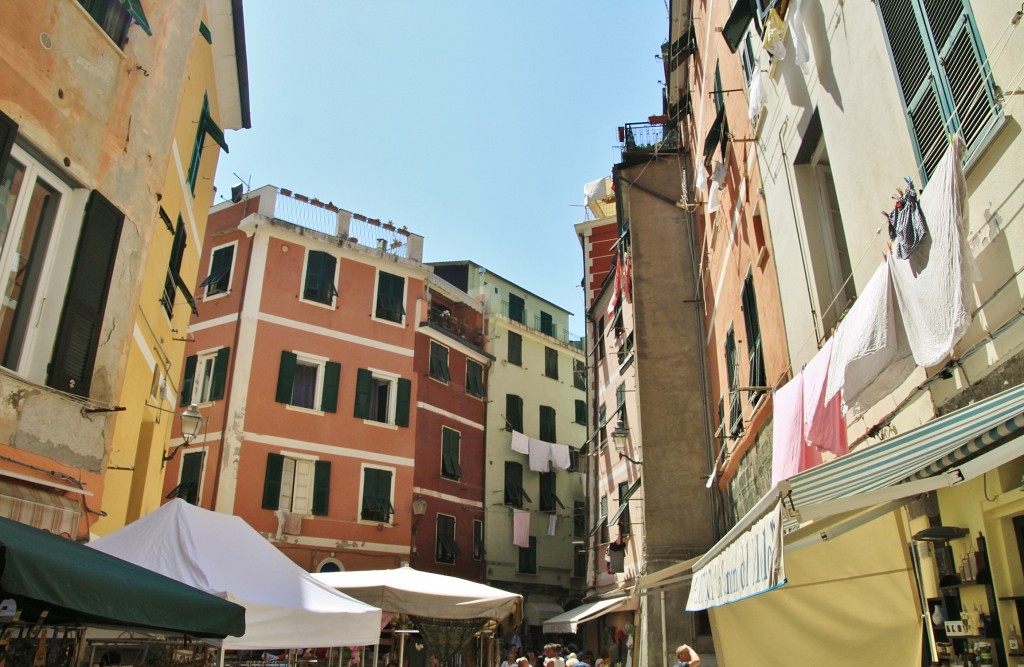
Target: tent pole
{"x": 376, "y": 651}
{"x": 664, "y": 628}
{"x": 401, "y": 650}
{"x": 221, "y": 663}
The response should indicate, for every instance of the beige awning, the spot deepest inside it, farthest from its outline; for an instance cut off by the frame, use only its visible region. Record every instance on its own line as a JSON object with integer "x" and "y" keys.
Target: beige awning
{"x": 48, "y": 511}
{"x": 679, "y": 574}
{"x": 570, "y": 620}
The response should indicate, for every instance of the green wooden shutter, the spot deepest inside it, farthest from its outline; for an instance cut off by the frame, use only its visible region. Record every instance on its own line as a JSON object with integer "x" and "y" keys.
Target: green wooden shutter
{"x": 8, "y": 130}
{"x": 450, "y": 441}
{"x": 376, "y": 494}
{"x": 286, "y": 376}
{"x": 515, "y": 348}
{"x": 581, "y": 412}
{"x": 513, "y": 483}
{"x": 220, "y": 373}
{"x": 332, "y": 375}
{"x": 313, "y": 288}
{"x": 514, "y": 412}
{"x": 78, "y": 333}
{"x": 547, "y": 423}
{"x": 736, "y": 25}
{"x": 220, "y": 270}
{"x": 516, "y": 308}
{"x": 272, "y": 482}
{"x": 364, "y": 386}
{"x": 551, "y": 363}
{"x": 402, "y": 404}
{"x": 328, "y": 267}
{"x": 547, "y": 492}
{"x": 439, "y": 362}
{"x": 186, "y": 382}
{"x": 474, "y": 379}
{"x": 191, "y": 476}
{"x": 134, "y": 7}
{"x": 321, "y": 487}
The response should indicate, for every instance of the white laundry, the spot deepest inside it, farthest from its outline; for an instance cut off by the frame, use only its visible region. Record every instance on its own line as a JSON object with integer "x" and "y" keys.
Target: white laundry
{"x": 552, "y": 525}
{"x": 560, "y": 456}
{"x": 796, "y": 30}
{"x": 521, "y": 528}
{"x": 540, "y": 455}
{"x": 520, "y": 443}
{"x": 756, "y": 92}
{"x": 701, "y": 184}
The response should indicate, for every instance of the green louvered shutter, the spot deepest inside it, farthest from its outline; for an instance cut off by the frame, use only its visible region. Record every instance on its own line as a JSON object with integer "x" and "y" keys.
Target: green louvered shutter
{"x": 364, "y": 386}
{"x": 272, "y": 482}
{"x": 321, "y": 487}
{"x": 402, "y": 404}
{"x": 187, "y": 381}
{"x": 8, "y": 130}
{"x": 332, "y": 375}
{"x": 220, "y": 373}
{"x": 514, "y": 412}
{"x": 547, "y": 424}
{"x": 286, "y": 376}
{"x": 191, "y": 476}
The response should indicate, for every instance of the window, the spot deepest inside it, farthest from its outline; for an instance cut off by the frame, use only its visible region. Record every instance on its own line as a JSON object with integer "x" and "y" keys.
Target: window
{"x": 579, "y": 374}
{"x": 450, "y": 445}
{"x": 205, "y": 376}
{"x": 624, "y": 524}
{"x": 753, "y": 328}
{"x": 943, "y": 74}
{"x": 474, "y": 379}
{"x": 205, "y": 126}
{"x": 306, "y": 381}
{"x": 748, "y": 57}
{"x": 514, "y": 492}
{"x": 602, "y": 415}
{"x": 390, "y": 297}
{"x": 478, "y": 539}
{"x": 579, "y": 519}
{"x": 581, "y": 412}
{"x": 600, "y": 339}
{"x": 173, "y": 281}
{"x": 517, "y": 308}
{"x": 625, "y": 352}
{"x": 297, "y": 485}
{"x": 732, "y": 370}
{"x": 445, "y": 548}
{"x": 514, "y": 412}
{"x": 547, "y": 324}
{"x": 218, "y": 281}
{"x": 528, "y": 558}
{"x": 115, "y": 16}
{"x": 376, "y": 505}
{"x": 382, "y": 398}
{"x": 549, "y": 500}
{"x": 439, "y": 362}
{"x": 579, "y": 560}
{"x": 620, "y": 399}
{"x": 547, "y": 424}
{"x": 55, "y": 271}
{"x": 574, "y": 460}
{"x": 321, "y": 278}
{"x": 515, "y": 348}
{"x": 602, "y": 520}
{"x": 551, "y": 363}
{"x": 190, "y": 478}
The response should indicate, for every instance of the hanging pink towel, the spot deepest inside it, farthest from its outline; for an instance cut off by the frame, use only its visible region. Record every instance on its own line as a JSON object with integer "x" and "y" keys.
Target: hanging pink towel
{"x": 520, "y": 443}
{"x": 788, "y": 430}
{"x": 521, "y": 528}
{"x": 824, "y": 426}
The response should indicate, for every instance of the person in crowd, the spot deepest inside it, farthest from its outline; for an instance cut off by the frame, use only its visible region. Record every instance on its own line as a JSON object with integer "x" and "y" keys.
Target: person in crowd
{"x": 510, "y": 659}
{"x": 687, "y": 657}
{"x": 553, "y": 655}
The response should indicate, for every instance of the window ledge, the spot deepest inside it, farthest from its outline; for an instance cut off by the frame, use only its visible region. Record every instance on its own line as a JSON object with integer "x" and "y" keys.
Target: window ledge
{"x": 214, "y": 297}
{"x": 320, "y": 304}
{"x": 439, "y": 380}
{"x": 373, "y": 422}
{"x": 382, "y": 524}
{"x": 400, "y": 325}
{"x": 308, "y": 411}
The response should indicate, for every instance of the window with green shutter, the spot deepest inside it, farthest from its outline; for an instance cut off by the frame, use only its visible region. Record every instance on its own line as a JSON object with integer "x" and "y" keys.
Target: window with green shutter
{"x": 732, "y": 370}
{"x": 321, "y": 277}
{"x": 755, "y": 355}
{"x": 528, "y": 558}
{"x": 219, "y": 279}
{"x": 547, "y": 424}
{"x": 297, "y": 485}
{"x": 308, "y": 382}
{"x": 390, "y": 297}
{"x": 943, "y": 74}
{"x": 478, "y": 539}
{"x": 514, "y": 412}
{"x": 517, "y": 308}
{"x": 206, "y": 127}
{"x": 574, "y": 460}
{"x": 205, "y": 377}
{"x": 551, "y": 363}
{"x": 515, "y": 348}
{"x": 450, "y": 449}
{"x": 445, "y": 549}
{"x": 474, "y": 379}
{"x": 547, "y": 324}
{"x": 579, "y": 374}
{"x": 115, "y": 17}
{"x": 321, "y": 488}
{"x": 376, "y": 503}
{"x": 514, "y": 491}
{"x": 439, "y": 362}
{"x": 173, "y": 277}
{"x": 549, "y": 500}
{"x": 581, "y": 412}
{"x": 191, "y": 476}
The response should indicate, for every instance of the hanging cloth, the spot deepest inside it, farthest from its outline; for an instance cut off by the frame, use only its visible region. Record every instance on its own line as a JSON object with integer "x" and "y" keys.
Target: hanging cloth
{"x": 824, "y": 426}
{"x": 796, "y": 30}
{"x": 520, "y": 443}
{"x": 521, "y": 528}
{"x": 907, "y": 226}
{"x": 540, "y": 455}
{"x": 789, "y": 454}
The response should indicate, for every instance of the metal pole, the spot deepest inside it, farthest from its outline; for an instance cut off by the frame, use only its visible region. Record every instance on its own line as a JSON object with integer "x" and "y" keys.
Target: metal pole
{"x": 664, "y": 629}
{"x": 401, "y": 650}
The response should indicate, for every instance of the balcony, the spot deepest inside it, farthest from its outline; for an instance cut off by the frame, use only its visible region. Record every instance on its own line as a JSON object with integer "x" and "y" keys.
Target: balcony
{"x": 444, "y": 318}
{"x": 542, "y": 325}
{"x": 650, "y": 137}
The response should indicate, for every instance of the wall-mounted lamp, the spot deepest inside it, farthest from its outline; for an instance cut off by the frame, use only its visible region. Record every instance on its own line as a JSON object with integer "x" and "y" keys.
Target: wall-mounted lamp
{"x": 191, "y": 421}
{"x": 619, "y": 437}
{"x": 419, "y": 506}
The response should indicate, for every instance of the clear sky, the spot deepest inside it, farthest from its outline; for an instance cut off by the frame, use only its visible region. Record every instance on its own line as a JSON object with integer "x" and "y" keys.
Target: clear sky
{"x": 476, "y": 123}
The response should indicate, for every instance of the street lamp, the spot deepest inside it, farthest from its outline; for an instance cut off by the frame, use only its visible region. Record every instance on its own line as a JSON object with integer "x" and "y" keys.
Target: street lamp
{"x": 419, "y": 506}
{"x": 619, "y": 436}
{"x": 191, "y": 421}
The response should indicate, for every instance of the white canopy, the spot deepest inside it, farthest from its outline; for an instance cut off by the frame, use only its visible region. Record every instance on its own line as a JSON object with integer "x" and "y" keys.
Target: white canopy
{"x": 570, "y": 620}
{"x": 285, "y": 607}
{"x": 405, "y": 590}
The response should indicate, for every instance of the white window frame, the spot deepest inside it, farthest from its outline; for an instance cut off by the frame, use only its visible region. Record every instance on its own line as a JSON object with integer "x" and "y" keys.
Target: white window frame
{"x": 391, "y": 499}
{"x": 37, "y": 349}
{"x": 231, "y": 272}
{"x": 405, "y": 297}
{"x": 200, "y": 383}
{"x": 296, "y": 458}
{"x": 333, "y": 305}
{"x": 392, "y": 380}
{"x": 306, "y": 359}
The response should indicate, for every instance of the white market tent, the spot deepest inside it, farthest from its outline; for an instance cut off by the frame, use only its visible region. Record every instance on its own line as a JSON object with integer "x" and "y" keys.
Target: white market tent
{"x": 405, "y": 590}
{"x": 285, "y": 607}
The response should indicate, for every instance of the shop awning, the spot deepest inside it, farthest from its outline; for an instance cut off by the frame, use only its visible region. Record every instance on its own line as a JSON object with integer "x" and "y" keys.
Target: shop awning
{"x": 537, "y": 613}
{"x": 568, "y": 621}
{"x": 75, "y": 584}
{"x": 41, "y": 509}
{"x": 891, "y": 471}
{"x": 674, "y": 575}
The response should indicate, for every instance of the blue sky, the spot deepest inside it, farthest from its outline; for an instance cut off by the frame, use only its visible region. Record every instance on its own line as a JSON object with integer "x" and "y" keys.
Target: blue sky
{"x": 476, "y": 123}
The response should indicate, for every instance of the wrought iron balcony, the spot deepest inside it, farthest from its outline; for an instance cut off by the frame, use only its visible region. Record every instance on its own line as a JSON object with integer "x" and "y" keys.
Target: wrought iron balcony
{"x": 651, "y": 138}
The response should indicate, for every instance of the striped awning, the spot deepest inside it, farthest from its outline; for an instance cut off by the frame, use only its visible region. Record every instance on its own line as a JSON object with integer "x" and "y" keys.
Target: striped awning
{"x": 48, "y": 511}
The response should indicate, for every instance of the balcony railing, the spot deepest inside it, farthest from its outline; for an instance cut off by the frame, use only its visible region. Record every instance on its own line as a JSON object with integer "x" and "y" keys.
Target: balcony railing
{"x": 651, "y": 137}
{"x": 542, "y": 326}
{"x": 444, "y": 318}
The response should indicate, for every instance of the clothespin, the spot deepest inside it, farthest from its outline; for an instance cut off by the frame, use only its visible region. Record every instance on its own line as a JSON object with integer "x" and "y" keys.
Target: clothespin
{"x": 900, "y": 190}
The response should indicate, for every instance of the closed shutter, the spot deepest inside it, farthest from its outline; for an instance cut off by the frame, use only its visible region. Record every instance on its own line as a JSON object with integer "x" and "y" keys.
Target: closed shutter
{"x": 364, "y": 388}
{"x": 513, "y": 483}
{"x": 220, "y": 373}
{"x": 8, "y": 130}
{"x": 272, "y": 482}
{"x": 191, "y": 476}
{"x": 321, "y": 487}
{"x": 332, "y": 376}
{"x": 581, "y": 412}
{"x": 551, "y": 363}
{"x": 474, "y": 379}
{"x": 78, "y": 333}
{"x": 402, "y": 403}
{"x": 439, "y": 362}
{"x": 516, "y": 308}
{"x": 547, "y": 424}
{"x": 311, "y": 290}
{"x": 450, "y": 441}
{"x": 286, "y": 376}
{"x": 515, "y": 348}
{"x": 186, "y": 382}
{"x": 376, "y": 495}
{"x": 514, "y": 412}
{"x": 547, "y": 492}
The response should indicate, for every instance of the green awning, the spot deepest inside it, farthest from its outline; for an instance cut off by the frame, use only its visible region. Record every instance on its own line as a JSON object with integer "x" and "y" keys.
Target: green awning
{"x": 76, "y": 584}
{"x": 736, "y": 26}
{"x": 134, "y": 7}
